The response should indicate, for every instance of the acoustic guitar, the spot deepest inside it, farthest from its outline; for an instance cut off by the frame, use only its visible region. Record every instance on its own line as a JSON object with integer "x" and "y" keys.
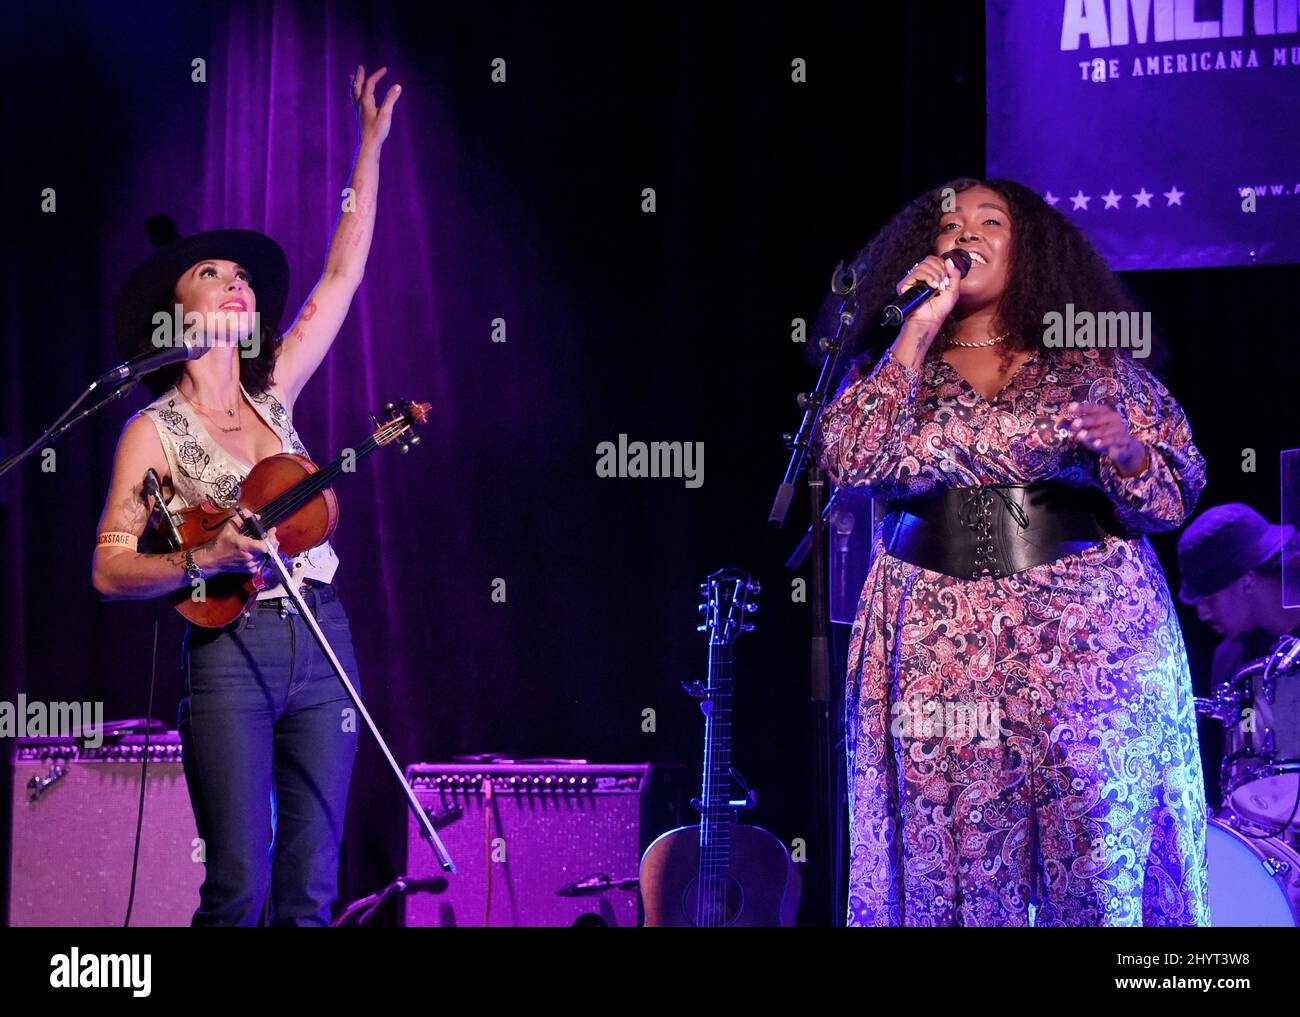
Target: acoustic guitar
{"x": 718, "y": 871}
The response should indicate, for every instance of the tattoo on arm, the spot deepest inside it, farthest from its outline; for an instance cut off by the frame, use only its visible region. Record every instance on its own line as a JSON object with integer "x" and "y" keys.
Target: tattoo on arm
{"x": 132, "y": 510}
{"x": 308, "y": 312}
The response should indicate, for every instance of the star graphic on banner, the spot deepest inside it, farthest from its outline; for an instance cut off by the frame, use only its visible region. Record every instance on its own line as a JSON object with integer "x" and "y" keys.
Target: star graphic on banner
{"x": 1143, "y": 198}
{"x": 1051, "y": 198}
{"x": 1080, "y": 201}
{"x": 1111, "y": 199}
{"x": 1174, "y": 196}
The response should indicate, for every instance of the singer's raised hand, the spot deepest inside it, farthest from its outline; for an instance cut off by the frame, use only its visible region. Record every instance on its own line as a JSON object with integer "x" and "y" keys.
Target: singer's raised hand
{"x": 922, "y": 325}
{"x": 941, "y": 275}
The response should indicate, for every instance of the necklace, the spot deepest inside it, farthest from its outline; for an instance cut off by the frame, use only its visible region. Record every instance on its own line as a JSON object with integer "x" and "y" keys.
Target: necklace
{"x": 229, "y": 413}
{"x": 979, "y": 345}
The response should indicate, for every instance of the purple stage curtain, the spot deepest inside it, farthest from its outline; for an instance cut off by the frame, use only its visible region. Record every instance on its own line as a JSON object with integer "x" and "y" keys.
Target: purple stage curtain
{"x": 267, "y": 143}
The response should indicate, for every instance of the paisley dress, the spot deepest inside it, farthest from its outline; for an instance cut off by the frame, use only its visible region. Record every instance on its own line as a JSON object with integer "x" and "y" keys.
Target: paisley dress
{"x": 1021, "y": 750}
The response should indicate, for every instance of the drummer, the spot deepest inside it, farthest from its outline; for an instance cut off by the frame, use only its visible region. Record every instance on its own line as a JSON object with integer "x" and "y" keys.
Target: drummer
{"x": 1231, "y": 561}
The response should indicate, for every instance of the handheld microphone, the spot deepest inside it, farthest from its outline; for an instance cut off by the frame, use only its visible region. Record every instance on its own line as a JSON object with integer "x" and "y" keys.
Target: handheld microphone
{"x": 145, "y": 363}
{"x": 153, "y": 487}
{"x": 914, "y": 296}
{"x": 1289, "y": 657}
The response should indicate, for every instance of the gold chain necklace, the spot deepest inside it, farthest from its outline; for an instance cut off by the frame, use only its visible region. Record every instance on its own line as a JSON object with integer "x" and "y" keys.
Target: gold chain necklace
{"x": 979, "y": 345}
{"x": 229, "y": 413}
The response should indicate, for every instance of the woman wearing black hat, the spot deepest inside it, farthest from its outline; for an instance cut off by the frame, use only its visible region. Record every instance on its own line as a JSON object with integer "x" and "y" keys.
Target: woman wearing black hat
{"x": 1021, "y": 727}
{"x": 267, "y": 731}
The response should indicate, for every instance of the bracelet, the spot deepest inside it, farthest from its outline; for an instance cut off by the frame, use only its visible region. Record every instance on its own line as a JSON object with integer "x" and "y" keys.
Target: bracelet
{"x": 116, "y": 537}
{"x": 192, "y": 569}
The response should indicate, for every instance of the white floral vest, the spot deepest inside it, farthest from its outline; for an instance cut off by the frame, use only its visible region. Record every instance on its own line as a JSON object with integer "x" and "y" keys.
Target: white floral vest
{"x": 203, "y": 470}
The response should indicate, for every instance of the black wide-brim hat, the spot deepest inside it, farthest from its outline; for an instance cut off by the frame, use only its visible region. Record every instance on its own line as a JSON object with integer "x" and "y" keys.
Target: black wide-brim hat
{"x": 152, "y": 284}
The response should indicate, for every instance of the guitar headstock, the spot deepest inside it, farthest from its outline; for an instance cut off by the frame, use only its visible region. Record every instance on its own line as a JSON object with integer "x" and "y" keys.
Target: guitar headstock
{"x": 726, "y": 598}
{"x": 403, "y": 416}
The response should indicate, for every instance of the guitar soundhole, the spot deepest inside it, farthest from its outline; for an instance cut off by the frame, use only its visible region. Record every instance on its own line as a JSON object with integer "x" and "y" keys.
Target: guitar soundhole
{"x": 717, "y": 901}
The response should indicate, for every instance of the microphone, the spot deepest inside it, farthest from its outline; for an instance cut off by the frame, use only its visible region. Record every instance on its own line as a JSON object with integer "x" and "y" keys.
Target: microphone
{"x": 914, "y": 296}
{"x": 145, "y": 363}
{"x": 1290, "y": 656}
{"x": 153, "y": 487}
{"x": 596, "y": 883}
{"x": 426, "y": 884}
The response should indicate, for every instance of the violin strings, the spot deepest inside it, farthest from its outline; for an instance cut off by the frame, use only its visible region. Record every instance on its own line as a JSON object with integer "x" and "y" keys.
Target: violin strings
{"x": 288, "y": 502}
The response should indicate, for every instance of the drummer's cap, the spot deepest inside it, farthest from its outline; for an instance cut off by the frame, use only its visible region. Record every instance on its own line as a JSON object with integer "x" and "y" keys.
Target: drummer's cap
{"x": 1222, "y": 544}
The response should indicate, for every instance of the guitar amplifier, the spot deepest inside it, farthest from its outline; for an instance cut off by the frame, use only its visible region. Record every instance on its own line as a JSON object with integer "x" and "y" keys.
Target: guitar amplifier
{"x": 74, "y": 812}
{"x": 554, "y": 844}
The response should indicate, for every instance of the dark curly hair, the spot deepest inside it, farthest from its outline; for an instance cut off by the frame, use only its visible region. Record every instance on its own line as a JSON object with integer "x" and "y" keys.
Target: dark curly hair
{"x": 256, "y": 374}
{"x": 1062, "y": 266}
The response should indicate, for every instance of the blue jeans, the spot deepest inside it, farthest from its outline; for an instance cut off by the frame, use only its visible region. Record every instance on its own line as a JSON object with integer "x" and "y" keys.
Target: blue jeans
{"x": 268, "y": 738}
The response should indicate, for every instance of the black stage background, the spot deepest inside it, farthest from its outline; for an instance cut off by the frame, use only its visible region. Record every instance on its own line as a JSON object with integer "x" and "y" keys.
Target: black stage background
{"x": 668, "y": 326}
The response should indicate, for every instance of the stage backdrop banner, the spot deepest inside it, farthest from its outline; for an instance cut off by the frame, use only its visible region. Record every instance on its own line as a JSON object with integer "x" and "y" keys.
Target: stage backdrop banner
{"x": 1165, "y": 128}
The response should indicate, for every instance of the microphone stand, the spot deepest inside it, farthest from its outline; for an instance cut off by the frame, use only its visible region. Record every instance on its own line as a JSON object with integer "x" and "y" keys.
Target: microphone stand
{"x": 63, "y": 423}
{"x": 426, "y": 827}
{"x": 827, "y": 798}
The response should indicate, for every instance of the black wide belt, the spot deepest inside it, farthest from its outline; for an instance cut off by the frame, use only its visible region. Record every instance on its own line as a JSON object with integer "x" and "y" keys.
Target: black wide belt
{"x": 997, "y": 529}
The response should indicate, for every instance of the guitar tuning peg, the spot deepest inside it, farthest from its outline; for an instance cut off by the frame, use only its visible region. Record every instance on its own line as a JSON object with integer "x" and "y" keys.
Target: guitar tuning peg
{"x": 405, "y": 448}
{"x": 701, "y": 628}
{"x": 751, "y": 606}
{"x": 415, "y": 439}
{"x": 704, "y": 589}
{"x": 702, "y": 608}
{"x": 747, "y": 627}
{"x": 388, "y": 408}
{"x": 755, "y": 587}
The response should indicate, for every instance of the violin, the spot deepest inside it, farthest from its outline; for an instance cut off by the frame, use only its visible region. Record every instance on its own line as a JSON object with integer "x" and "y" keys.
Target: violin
{"x": 285, "y": 490}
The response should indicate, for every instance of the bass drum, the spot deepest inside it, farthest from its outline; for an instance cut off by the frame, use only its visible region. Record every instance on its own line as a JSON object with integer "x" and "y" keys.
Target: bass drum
{"x": 1252, "y": 882}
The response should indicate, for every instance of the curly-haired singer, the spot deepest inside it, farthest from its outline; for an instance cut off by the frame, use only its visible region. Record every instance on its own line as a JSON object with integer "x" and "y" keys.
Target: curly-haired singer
{"x": 1021, "y": 729}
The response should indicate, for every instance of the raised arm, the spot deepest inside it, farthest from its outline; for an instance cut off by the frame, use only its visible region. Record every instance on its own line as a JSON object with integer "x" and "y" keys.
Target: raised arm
{"x": 321, "y": 316}
{"x": 864, "y": 429}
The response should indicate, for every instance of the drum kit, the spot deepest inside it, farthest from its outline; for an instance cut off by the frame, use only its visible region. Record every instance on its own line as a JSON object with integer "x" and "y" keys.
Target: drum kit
{"x": 1254, "y": 838}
